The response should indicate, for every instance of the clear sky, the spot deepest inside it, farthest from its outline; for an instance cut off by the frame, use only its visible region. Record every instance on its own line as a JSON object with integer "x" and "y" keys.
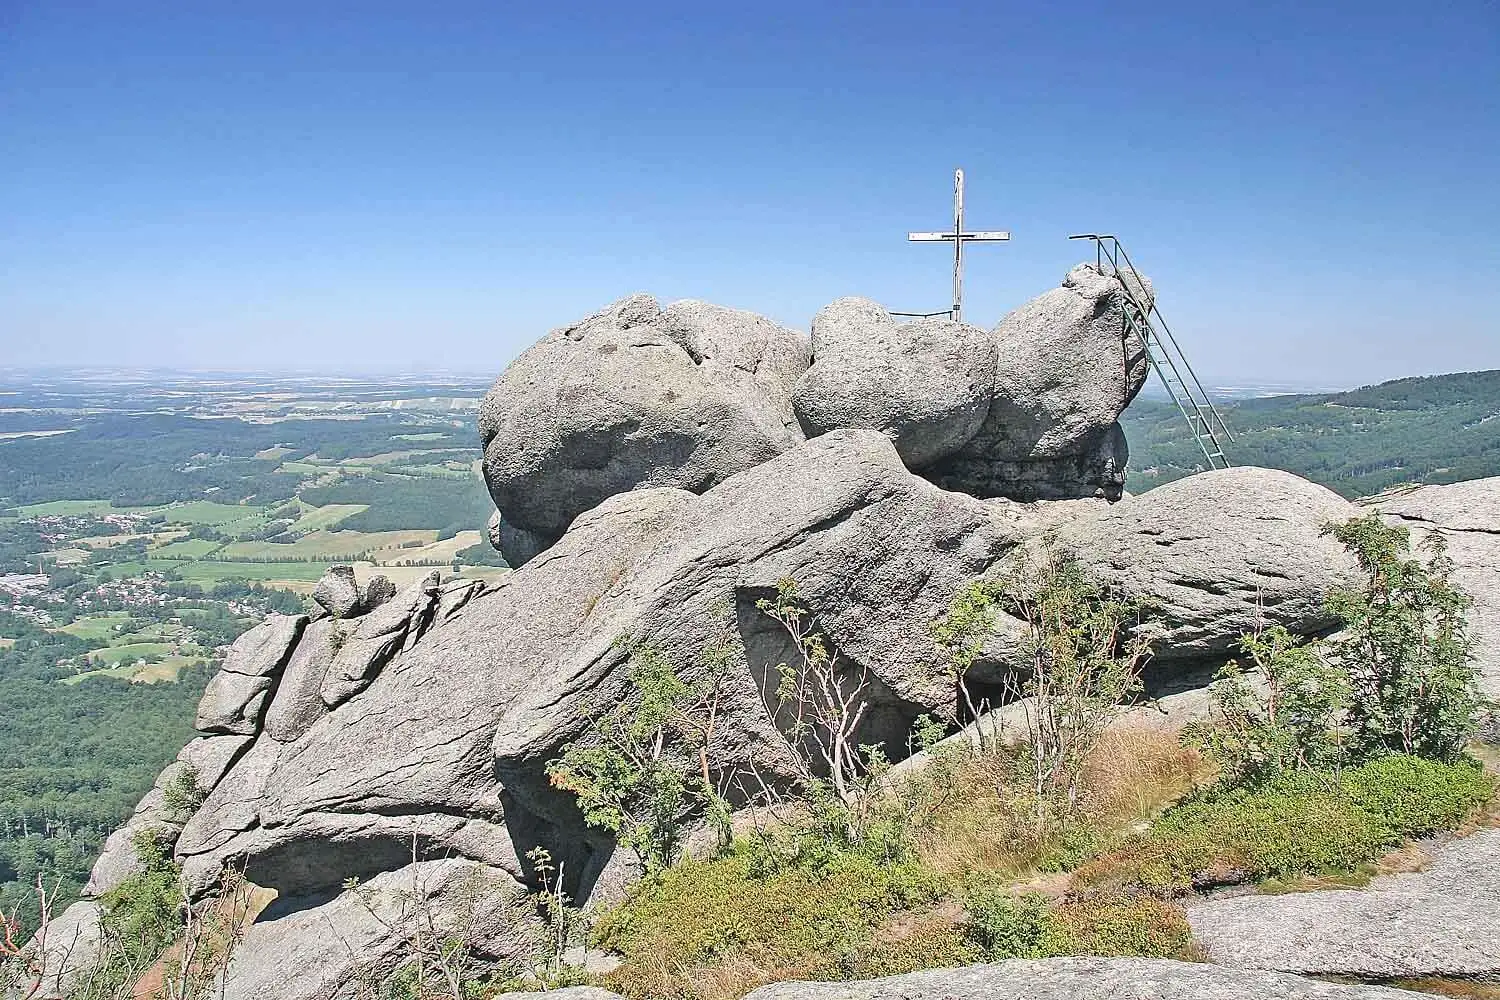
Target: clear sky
{"x": 435, "y": 184}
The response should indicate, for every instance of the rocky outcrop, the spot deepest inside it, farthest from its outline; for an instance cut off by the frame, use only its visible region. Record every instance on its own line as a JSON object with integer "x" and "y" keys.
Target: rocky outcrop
{"x": 290, "y": 954}
{"x": 634, "y": 396}
{"x": 236, "y": 697}
{"x": 1217, "y": 553}
{"x": 62, "y": 957}
{"x": 448, "y": 742}
{"x": 656, "y": 486}
{"x": 1081, "y": 979}
{"x": 364, "y": 652}
{"x": 1463, "y": 514}
{"x": 337, "y": 592}
{"x": 926, "y": 385}
{"x": 1066, "y": 367}
{"x": 1442, "y": 922}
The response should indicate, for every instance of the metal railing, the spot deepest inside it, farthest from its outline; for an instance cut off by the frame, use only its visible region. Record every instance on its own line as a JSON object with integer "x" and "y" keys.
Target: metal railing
{"x": 1164, "y": 353}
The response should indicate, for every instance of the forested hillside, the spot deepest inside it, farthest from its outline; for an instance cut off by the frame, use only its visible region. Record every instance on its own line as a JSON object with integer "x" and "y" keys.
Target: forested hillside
{"x": 1434, "y": 429}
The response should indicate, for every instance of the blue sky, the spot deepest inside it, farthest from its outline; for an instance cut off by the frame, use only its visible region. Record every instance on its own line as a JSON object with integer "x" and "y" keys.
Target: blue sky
{"x": 434, "y": 185}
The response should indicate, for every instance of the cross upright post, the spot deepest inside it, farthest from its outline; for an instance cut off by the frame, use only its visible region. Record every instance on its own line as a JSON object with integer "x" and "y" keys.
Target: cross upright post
{"x": 959, "y": 238}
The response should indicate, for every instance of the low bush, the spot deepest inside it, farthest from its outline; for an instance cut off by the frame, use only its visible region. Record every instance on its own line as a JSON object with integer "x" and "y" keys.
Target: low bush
{"x": 700, "y": 911}
{"x": 1300, "y": 823}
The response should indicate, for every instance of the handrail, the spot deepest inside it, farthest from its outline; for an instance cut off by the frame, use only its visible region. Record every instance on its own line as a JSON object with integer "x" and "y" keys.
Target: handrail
{"x": 1171, "y": 350}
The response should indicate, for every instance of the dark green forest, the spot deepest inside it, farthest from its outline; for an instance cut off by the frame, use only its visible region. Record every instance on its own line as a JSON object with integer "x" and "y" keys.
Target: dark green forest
{"x": 1433, "y": 429}
{"x": 74, "y": 759}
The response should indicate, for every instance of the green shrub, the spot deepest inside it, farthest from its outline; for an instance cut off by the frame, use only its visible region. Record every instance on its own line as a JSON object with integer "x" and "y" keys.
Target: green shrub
{"x": 696, "y": 910}
{"x": 1143, "y": 928}
{"x": 1405, "y": 645}
{"x": 1006, "y": 925}
{"x": 1282, "y": 710}
{"x": 1301, "y": 823}
{"x": 933, "y": 944}
{"x": 1417, "y": 797}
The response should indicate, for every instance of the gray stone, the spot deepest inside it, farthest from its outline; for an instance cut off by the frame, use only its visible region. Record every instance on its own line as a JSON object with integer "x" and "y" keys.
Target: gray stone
{"x": 379, "y": 590}
{"x": 499, "y": 690}
{"x": 418, "y": 743}
{"x": 350, "y": 945}
{"x": 338, "y": 592}
{"x": 1081, "y": 979}
{"x": 1467, "y": 516}
{"x": 926, "y": 384}
{"x": 299, "y": 701}
{"x": 379, "y": 636}
{"x": 634, "y": 397}
{"x": 1217, "y": 552}
{"x": 62, "y": 958}
{"x": 1066, "y": 367}
{"x": 236, "y": 696}
{"x": 1443, "y": 922}
{"x": 454, "y": 595}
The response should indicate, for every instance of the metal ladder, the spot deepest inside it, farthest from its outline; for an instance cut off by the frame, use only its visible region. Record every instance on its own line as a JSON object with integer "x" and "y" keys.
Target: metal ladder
{"x": 1165, "y": 355}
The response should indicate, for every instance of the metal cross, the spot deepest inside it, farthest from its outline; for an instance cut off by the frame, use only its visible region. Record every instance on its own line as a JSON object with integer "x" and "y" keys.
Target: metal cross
{"x": 959, "y": 238}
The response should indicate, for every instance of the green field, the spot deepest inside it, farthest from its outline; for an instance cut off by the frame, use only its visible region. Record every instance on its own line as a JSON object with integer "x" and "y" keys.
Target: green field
{"x": 72, "y": 507}
{"x": 319, "y": 518}
{"x": 130, "y": 652}
{"x": 325, "y": 545}
{"x": 96, "y": 627}
{"x": 188, "y": 548}
{"x": 165, "y": 669}
{"x": 209, "y": 573}
{"x": 219, "y": 515}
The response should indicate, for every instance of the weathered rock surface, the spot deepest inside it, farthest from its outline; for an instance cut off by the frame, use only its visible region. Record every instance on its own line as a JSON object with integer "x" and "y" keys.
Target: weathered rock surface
{"x": 289, "y": 953}
{"x": 1081, "y": 979}
{"x": 74, "y": 945}
{"x": 1216, "y": 552}
{"x": 634, "y": 396}
{"x": 1465, "y": 515}
{"x": 375, "y": 593}
{"x": 1066, "y": 367}
{"x": 337, "y": 592}
{"x": 450, "y": 740}
{"x": 378, "y": 637}
{"x": 236, "y": 696}
{"x": 926, "y": 384}
{"x": 299, "y": 700}
{"x": 1443, "y": 922}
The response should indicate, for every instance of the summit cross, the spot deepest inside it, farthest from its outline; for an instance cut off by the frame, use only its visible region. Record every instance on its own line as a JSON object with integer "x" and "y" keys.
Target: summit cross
{"x": 959, "y": 238}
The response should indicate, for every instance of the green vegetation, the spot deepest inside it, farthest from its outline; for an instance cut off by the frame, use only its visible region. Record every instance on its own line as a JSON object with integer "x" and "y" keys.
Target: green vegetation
{"x": 1301, "y": 822}
{"x": 64, "y": 786}
{"x": 951, "y": 863}
{"x": 1436, "y": 429}
{"x": 398, "y": 502}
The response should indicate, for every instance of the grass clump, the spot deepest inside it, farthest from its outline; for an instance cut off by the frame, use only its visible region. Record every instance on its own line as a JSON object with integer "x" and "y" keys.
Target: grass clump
{"x": 1298, "y": 823}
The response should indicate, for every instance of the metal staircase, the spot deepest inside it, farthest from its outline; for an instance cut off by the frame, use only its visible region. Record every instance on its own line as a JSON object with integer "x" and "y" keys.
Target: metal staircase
{"x": 1166, "y": 357}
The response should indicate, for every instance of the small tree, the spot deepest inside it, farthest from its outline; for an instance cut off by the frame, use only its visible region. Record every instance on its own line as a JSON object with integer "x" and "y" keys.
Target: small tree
{"x": 1283, "y": 710}
{"x": 1087, "y": 650}
{"x": 1405, "y": 645}
{"x": 646, "y": 764}
{"x": 825, "y": 702}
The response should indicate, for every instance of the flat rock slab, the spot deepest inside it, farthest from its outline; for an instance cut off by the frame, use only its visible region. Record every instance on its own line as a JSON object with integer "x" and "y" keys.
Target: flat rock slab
{"x": 1082, "y": 979}
{"x": 1440, "y": 922}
